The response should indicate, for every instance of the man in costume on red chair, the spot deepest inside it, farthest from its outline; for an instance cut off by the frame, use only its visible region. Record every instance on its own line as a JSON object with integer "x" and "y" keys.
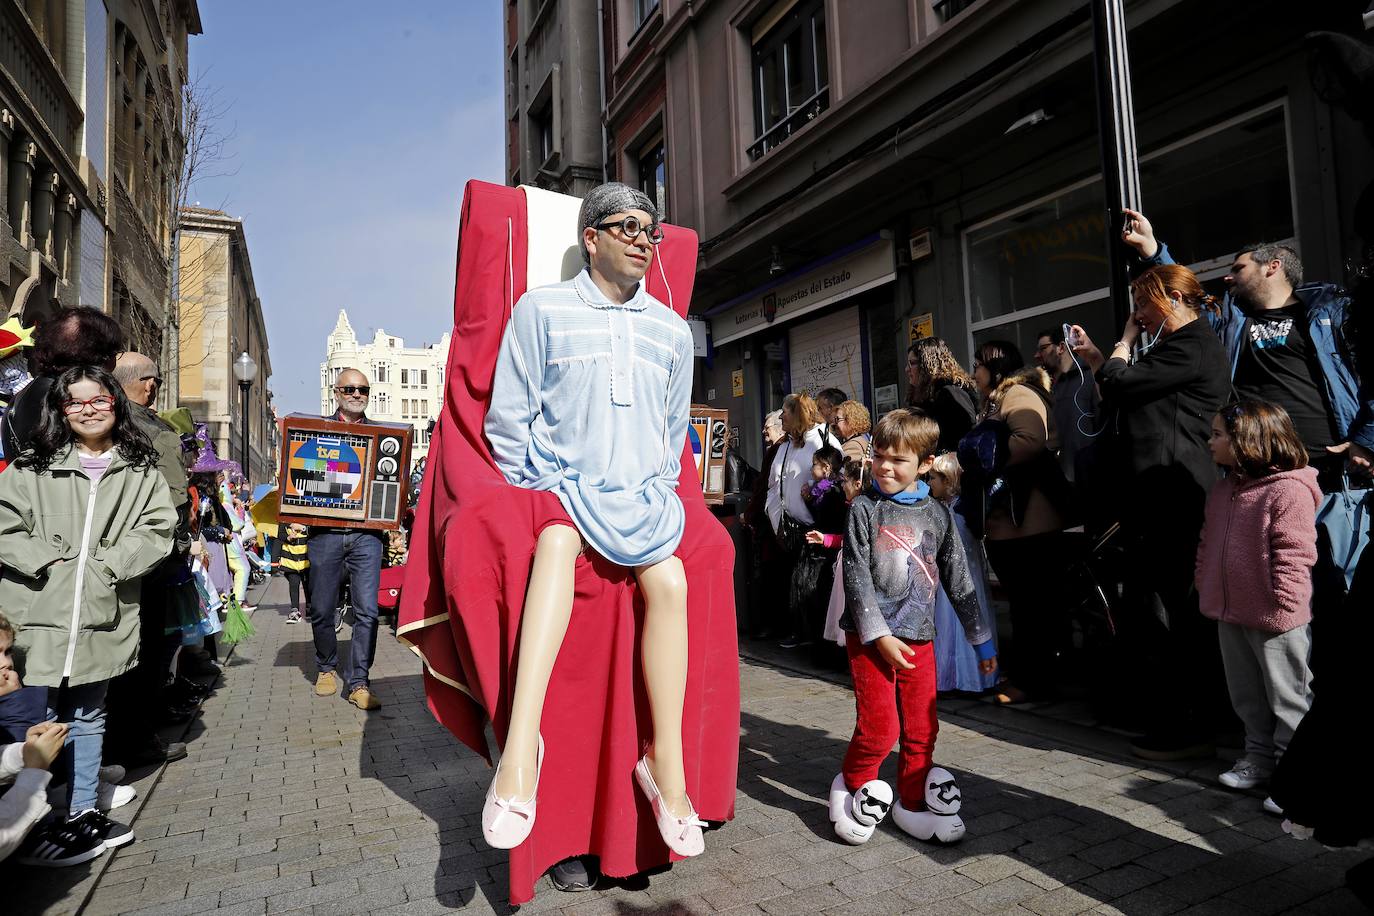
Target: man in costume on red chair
{"x": 582, "y": 504}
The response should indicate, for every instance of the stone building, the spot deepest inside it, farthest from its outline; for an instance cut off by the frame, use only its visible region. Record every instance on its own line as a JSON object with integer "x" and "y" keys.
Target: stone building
{"x": 147, "y": 75}
{"x": 46, "y": 191}
{"x": 407, "y": 382}
{"x": 221, "y": 317}
{"x": 860, "y": 173}
{"x": 553, "y": 96}
{"x": 90, "y": 155}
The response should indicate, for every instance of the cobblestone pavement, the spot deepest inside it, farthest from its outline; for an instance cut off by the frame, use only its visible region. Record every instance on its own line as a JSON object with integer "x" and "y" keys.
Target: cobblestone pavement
{"x": 289, "y": 803}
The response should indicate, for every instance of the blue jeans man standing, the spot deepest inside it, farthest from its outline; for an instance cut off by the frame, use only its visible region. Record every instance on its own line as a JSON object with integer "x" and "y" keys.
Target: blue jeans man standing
{"x": 357, "y": 554}
{"x": 334, "y": 554}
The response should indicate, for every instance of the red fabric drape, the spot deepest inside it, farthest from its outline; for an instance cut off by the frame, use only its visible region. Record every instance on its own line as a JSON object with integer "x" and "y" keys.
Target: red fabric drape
{"x": 469, "y": 563}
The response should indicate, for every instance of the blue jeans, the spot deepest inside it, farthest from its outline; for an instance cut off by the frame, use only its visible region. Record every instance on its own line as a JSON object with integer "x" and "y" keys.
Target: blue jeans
{"x": 335, "y": 555}
{"x": 83, "y": 708}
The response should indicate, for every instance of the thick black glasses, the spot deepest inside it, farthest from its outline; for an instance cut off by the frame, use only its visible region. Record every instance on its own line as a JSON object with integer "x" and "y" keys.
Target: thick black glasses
{"x": 631, "y": 227}
{"x": 354, "y": 389}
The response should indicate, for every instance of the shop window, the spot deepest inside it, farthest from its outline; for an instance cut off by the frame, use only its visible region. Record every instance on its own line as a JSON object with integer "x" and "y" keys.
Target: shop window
{"x": 653, "y": 175}
{"x": 1045, "y": 264}
{"x": 790, "y": 73}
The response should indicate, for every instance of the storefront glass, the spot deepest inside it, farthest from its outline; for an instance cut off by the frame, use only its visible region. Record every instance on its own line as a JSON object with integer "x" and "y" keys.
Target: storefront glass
{"x": 1207, "y": 195}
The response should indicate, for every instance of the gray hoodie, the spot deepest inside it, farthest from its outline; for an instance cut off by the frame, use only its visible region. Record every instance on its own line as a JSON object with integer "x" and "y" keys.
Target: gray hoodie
{"x": 896, "y": 556}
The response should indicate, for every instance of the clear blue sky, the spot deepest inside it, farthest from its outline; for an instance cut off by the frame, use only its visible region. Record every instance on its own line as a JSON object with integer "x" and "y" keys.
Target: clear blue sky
{"x": 354, "y": 127}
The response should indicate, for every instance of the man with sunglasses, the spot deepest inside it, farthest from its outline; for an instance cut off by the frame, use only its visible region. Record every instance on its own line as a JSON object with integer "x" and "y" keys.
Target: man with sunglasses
{"x": 354, "y": 554}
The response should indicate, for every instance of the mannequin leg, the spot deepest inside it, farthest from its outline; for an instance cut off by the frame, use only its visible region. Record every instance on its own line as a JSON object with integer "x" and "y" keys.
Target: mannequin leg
{"x": 663, "y": 646}
{"x": 543, "y": 624}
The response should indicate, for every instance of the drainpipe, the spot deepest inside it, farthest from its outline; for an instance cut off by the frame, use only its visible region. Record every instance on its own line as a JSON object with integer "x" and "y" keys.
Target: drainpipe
{"x": 601, "y": 83}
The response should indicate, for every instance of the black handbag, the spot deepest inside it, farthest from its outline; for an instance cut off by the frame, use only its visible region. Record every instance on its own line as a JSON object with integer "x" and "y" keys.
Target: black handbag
{"x": 791, "y": 534}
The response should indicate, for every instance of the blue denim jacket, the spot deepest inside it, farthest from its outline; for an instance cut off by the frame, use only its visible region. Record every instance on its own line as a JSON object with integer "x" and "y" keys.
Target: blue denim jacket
{"x": 1327, "y": 309}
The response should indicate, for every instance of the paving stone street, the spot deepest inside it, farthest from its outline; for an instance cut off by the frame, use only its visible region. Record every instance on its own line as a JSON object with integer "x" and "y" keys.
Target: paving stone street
{"x": 289, "y": 803}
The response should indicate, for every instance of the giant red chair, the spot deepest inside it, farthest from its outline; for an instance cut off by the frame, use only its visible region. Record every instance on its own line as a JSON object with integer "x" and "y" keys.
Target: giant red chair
{"x": 469, "y": 564}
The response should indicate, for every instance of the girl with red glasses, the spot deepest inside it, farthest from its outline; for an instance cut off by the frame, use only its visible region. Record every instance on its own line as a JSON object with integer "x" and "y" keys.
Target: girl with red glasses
{"x": 84, "y": 514}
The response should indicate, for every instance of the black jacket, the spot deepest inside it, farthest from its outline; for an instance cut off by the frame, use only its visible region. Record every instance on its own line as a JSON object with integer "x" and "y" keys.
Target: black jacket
{"x": 953, "y": 409}
{"x": 1164, "y": 406}
{"x": 22, "y": 419}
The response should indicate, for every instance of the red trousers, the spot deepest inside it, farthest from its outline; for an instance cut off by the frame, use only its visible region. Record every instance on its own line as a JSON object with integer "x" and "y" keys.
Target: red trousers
{"x": 892, "y": 704}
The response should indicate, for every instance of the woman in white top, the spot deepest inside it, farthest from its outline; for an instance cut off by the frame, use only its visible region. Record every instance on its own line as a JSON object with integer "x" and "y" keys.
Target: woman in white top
{"x": 805, "y": 432}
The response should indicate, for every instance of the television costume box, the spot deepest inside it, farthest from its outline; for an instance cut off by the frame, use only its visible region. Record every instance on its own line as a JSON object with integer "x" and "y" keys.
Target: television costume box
{"x": 343, "y": 475}
{"x": 708, "y": 431}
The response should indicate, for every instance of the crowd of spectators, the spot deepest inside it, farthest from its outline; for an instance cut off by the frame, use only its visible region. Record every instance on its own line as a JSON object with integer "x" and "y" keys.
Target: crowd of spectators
{"x": 124, "y": 543}
{"x": 1083, "y": 477}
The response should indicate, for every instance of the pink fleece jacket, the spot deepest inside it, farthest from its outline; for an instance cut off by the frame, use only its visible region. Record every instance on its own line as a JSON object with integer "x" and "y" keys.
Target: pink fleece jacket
{"x": 1258, "y": 547}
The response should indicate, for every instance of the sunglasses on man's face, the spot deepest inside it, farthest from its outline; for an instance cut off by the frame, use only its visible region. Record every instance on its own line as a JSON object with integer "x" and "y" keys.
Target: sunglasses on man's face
{"x": 155, "y": 379}
{"x": 364, "y": 390}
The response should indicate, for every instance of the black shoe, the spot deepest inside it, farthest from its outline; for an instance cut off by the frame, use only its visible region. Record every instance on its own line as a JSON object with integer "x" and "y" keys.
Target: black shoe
{"x": 184, "y": 690}
{"x": 58, "y": 844}
{"x": 153, "y": 752}
{"x": 199, "y": 665}
{"x": 576, "y": 874}
{"x": 92, "y": 823}
{"x": 1167, "y": 747}
{"x": 794, "y": 642}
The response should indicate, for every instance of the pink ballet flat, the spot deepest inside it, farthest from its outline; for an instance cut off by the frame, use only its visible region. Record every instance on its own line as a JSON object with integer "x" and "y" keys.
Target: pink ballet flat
{"x": 682, "y": 834}
{"x": 507, "y": 822}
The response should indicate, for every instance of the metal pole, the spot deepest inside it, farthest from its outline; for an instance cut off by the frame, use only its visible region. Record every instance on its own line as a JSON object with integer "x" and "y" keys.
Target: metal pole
{"x": 1116, "y": 138}
{"x": 243, "y": 396}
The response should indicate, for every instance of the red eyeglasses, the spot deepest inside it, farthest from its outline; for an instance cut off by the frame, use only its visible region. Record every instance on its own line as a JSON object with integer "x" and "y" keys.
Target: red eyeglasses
{"x": 101, "y": 403}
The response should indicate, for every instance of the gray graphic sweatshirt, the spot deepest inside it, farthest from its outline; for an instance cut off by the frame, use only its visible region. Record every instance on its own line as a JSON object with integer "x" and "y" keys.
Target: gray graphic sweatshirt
{"x": 896, "y": 557}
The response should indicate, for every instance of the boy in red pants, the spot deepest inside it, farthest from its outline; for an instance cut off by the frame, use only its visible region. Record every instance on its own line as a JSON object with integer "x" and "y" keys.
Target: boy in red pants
{"x": 899, "y": 546}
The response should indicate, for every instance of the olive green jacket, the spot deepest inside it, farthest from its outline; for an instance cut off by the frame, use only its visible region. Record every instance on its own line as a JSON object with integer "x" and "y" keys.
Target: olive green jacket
{"x": 72, "y": 553}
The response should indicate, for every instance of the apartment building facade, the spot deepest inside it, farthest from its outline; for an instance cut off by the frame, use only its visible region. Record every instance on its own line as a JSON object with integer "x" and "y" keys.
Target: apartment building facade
{"x": 861, "y": 174}
{"x": 220, "y": 317}
{"x": 407, "y": 382}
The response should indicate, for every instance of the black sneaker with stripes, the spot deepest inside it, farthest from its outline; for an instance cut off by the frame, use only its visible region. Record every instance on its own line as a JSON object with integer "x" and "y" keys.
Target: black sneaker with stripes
{"x": 57, "y": 844}
{"x": 95, "y": 823}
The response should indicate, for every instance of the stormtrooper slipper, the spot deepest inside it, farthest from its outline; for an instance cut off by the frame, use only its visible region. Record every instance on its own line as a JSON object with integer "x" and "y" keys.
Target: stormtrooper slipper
{"x": 859, "y": 815}
{"x": 940, "y": 821}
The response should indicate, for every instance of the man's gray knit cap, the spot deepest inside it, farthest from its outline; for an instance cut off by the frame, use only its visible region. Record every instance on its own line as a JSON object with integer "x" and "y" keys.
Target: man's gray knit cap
{"x": 605, "y": 199}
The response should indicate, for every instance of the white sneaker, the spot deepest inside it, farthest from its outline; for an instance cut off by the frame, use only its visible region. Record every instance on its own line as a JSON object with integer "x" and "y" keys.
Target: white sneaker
{"x": 857, "y": 816}
{"x": 850, "y": 830}
{"x": 1246, "y": 774}
{"x": 927, "y": 825}
{"x": 107, "y": 797}
{"x": 940, "y": 821}
{"x": 1272, "y": 807}
{"x": 110, "y": 796}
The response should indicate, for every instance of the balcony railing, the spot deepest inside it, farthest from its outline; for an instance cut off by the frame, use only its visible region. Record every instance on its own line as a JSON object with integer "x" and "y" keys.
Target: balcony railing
{"x": 806, "y": 112}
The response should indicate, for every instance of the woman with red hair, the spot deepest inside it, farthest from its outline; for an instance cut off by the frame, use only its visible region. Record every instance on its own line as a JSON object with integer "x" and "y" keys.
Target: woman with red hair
{"x": 1164, "y": 390}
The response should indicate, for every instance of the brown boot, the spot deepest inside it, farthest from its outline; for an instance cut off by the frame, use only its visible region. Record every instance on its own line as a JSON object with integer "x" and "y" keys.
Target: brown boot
{"x": 362, "y": 698}
{"x": 327, "y": 684}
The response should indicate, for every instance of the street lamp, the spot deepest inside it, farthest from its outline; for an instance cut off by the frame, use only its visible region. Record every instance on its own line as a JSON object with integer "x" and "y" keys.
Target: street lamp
{"x": 245, "y": 370}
